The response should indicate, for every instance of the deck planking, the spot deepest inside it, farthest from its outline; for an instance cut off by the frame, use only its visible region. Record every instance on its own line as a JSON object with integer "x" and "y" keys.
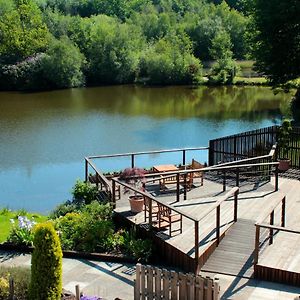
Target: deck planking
{"x": 234, "y": 254}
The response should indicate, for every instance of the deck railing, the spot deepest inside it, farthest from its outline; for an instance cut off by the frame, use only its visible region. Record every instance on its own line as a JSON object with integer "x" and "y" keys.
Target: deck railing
{"x": 280, "y": 198}
{"x": 216, "y": 207}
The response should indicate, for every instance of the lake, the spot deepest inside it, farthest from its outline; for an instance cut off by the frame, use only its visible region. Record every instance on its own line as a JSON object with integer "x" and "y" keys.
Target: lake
{"x": 45, "y": 136}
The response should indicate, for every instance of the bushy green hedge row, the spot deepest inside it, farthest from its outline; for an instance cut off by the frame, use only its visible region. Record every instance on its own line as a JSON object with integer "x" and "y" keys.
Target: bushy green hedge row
{"x": 57, "y": 44}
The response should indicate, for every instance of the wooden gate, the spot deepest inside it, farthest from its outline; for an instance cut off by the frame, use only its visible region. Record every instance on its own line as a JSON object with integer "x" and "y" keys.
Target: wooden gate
{"x": 154, "y": 283}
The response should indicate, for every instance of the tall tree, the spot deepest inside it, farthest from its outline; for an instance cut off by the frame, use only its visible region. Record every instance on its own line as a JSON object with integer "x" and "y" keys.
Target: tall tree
{"x": 277, "y": 39}
{"x": 22, "y": 31}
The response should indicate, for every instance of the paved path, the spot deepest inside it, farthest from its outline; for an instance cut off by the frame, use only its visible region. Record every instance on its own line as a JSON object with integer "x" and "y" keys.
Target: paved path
{"x": 105, "y": 279}
{"x": 111, "y": 280}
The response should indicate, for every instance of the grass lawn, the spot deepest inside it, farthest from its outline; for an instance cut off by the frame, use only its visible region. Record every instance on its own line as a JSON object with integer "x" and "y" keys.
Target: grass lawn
{"x": 6, "y": 225}
{"x": 250, "y": 81}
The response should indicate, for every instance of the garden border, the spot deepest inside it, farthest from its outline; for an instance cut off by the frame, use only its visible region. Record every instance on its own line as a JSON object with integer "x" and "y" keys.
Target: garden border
{"x": 73, "y": 254}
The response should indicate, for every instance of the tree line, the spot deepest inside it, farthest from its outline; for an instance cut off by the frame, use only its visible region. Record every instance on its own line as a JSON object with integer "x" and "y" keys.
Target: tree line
{"x": 48, "y": 44}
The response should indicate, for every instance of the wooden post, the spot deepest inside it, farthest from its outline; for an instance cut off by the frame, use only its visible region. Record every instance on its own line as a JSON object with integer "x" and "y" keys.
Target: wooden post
{"x": 132, "y": 160}
{"x": 183, "y": 157}
{"x": 276, "y": 178}
{"x": 11, "y": 288}
{"x": 150, "y": 213}
{"x": 224, "y": 181}
{"x": 271, "y": 230}
{"x": 113, "y": 196}
{"x": 256, "y": 249}
{"x": 218, "y": 225}
{"x": 237, "y": 180}
{"x": 86, "y": 170}
{"x": 235, "y": 206}
{"x": 77, "y": 292}
{"x": 185, "y": 187}
{"x": 196, "y": 229}
{"x": 283, "y": 212}
{"x": 137, "y": 286}
{"x": 177, "y": 188}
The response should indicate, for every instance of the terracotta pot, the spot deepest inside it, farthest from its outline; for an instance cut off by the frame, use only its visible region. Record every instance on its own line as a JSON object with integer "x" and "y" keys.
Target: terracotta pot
{"x": 284, "y": 164}
{"x": 136, "y": 203}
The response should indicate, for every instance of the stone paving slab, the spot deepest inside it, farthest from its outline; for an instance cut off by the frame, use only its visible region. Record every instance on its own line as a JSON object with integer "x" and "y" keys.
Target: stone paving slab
{"x": 104, "y": 279}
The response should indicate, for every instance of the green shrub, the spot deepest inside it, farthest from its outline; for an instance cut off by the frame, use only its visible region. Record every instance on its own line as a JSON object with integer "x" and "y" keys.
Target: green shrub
{"x": 138, "y": 248}
{"x": 64, "y": 208}
{"x": 88, "y": 229}
{"x": 84, "y": 192}
{"x": 21, "y": 277}
{"x": 46, "y": 264}
{"x": 4, "y": 288}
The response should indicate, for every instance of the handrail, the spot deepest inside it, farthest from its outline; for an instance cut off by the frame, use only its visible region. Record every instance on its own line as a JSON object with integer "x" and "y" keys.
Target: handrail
{"x": 233, "y": 192}
{"x": 259, "y": 224}
{"x": 271, "y": 154}
{"x": 146, "y": 194}
{"x": 148, "y": 152}
{"x": 279, "y": 228}
{"x": 212, "y": 168}
{"x": 279, "y": 197}
{"x": 100, "y": 174}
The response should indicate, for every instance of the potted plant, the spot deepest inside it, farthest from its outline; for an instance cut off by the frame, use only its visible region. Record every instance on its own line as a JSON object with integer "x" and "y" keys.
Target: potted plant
{"x": 136, "y": 178}
{"x": 283, "y": 139}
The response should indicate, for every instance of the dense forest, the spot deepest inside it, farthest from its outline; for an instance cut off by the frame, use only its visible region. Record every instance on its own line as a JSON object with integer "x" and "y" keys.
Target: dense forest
{"x": 49, "y": 44}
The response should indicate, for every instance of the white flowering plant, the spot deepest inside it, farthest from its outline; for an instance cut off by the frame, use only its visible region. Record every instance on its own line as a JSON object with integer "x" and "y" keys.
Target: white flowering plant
{"x": 22, "y": 231}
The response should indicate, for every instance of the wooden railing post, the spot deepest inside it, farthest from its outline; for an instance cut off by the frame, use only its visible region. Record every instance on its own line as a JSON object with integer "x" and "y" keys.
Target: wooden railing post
{"x": 177, "y": 187}
{"x": 224, "y": 181}
{"x": 150, "y": 213}
{"x": 276, "y": 178}
{"x": 237, "y": 180}
{"x": 184, "y": 187}
{"x": 113, "y": 193}
{"x": 283, "y": 212}
{"x": 271, "y": 230}
{"x": 256, "y": 249}
{"x": 86, "y": 170}
{"x": 132, "y": 160}
{"x": 218, "y": 224}
{"x": 196, "y": 229}
{"x": 235, "y": 206}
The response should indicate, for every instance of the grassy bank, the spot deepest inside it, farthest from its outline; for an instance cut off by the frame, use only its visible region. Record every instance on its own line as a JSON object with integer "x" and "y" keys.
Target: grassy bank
{"x": 7, "y": 215}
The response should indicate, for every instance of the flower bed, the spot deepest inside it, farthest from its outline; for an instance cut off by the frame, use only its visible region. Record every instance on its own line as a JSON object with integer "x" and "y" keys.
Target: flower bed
{"x": 86, "y": 230}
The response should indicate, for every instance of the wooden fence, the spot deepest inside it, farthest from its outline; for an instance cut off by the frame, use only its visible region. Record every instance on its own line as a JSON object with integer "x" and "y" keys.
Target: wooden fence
{"x": 154, "y": 283}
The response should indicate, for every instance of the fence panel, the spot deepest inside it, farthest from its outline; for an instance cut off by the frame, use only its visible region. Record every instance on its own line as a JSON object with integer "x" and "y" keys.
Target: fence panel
{"x": 242, "y": 145}
{"x": 164, "y": 284}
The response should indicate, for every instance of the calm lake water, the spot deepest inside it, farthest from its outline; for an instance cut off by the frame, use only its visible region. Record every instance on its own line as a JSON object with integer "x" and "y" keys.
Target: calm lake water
{"x": 44, "y": 137}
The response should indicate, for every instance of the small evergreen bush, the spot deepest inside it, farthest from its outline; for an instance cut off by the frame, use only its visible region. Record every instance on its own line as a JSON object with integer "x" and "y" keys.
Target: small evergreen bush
{"x": 21, "y": 277}
{"x": 46, "y": 264}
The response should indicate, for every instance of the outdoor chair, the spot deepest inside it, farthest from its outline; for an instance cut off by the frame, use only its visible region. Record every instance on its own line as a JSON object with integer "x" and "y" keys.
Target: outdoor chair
{"x": 147, "y": 212}
{"x": 166, "y": 218}
{"x": 197, "y": 165}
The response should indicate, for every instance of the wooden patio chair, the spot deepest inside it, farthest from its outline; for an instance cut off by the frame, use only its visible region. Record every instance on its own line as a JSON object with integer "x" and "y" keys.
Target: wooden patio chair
{"x": 166, "y": 218}
{"x": 147, "y": 211}
{"x": 197, "y": 165}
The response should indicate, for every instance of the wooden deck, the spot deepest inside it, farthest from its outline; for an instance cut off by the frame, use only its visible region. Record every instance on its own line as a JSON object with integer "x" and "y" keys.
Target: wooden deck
{"x": 200, "y": 200}
{"x": 234, "y": 255}
{"x": 281, "y": 261}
